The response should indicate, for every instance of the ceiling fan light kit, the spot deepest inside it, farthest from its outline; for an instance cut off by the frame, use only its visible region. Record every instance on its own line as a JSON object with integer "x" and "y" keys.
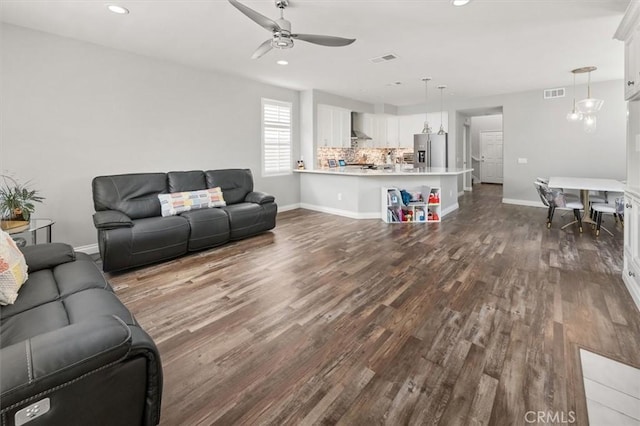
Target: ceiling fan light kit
{"x": 585, "y": 109}
{"x": 282, "y": 38}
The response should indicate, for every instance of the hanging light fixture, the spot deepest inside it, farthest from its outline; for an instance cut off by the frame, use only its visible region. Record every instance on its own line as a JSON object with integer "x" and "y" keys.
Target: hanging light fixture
{"x": 441, "y": 131}
{"x": 426, "y": 128}
{"x": 574, "y": 115}
{"x": 589, "y": 123}
{"x": 590, "y": 105}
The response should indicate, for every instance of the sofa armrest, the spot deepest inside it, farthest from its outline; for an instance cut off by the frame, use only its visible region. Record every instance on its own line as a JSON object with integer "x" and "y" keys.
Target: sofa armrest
{"x": 259, "y": 198}
{"x": 46, "y": 256}
{"x": 58, "y": 357}
{"x": 110, "y": 219}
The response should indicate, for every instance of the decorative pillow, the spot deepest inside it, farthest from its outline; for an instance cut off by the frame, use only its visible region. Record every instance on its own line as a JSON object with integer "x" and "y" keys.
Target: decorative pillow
{"x": 178, "y": 202}
{"x": 13, "y": 269}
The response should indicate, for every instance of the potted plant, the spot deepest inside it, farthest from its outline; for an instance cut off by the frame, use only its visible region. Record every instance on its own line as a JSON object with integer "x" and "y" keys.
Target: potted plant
{"x": 17, "y": 202}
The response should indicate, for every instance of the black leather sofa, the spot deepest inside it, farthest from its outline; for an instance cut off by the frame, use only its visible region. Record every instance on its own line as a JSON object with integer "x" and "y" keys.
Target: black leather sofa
{"x": 70, "y": 352}
{"x": 132, "y": 232}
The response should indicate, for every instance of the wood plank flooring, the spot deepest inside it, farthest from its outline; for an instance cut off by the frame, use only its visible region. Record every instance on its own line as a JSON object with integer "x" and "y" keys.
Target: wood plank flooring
{"x": 328, "y": 320}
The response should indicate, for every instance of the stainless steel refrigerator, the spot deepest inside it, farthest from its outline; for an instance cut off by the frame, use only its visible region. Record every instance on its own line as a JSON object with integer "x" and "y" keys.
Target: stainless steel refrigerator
{"x": 430, "y": 150}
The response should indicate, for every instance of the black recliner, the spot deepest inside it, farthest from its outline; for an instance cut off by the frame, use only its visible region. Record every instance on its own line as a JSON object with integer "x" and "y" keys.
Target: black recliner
{"x": 70, "y": 352}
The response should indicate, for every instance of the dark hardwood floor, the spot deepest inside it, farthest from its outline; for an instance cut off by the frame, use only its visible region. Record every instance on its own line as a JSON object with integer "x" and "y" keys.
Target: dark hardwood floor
{"x": 329, "y": 320}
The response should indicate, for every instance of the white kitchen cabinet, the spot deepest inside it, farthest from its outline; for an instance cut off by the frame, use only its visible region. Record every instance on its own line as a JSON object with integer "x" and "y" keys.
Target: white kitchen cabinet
{"x": 392, "y": 132}
{"x": 333, "y": 127}
{"x": 629, "y": 32}
{"x": 409, "y": 125}
{"x": 375, "y": 126}
{"x": 631, "y": 272}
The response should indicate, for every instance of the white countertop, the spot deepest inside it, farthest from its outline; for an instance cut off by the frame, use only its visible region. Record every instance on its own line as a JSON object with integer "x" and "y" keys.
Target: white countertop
{"x": 357, "y": 171}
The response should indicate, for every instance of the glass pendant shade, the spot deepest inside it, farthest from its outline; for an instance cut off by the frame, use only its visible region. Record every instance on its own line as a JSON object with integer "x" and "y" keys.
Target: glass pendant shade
{"x": 589, "y": 105}
{"x": 589, "y": 123}
{"x": 574, "y": 116}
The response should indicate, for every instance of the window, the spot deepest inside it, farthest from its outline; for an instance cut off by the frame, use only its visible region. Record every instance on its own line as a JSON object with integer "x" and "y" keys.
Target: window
{"x": 276, "y": 137}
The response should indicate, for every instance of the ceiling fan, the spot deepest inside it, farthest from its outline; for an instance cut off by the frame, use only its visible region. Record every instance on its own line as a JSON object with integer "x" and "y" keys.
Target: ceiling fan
{"x": 281, "y": 29}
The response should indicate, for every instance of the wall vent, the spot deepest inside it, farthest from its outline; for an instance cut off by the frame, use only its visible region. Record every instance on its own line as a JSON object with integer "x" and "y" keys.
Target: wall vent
{"x": 554, "y": 93}
{"x": 384, "y": 58}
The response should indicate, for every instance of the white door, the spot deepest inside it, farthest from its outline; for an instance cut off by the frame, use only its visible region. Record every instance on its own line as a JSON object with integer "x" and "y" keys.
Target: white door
{"x": 491, "y": 157}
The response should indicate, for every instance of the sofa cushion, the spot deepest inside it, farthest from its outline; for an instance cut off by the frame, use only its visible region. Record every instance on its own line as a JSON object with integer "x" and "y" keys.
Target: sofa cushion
{"x": 209, "y": 227}
{"x": 135, "y": 194}
{"x": 13, "y": 269}
{"x": 235, "y": 183}
{"x": 186, "y": 181}
{"x": 245, "y": 219}
{"x": 150, "y": 240}
{"x": 178, "y": 202}
{"x": 30, "y": 323}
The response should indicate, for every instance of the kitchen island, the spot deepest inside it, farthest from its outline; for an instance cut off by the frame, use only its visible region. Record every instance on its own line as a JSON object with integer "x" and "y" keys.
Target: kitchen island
{"x": 355, "y": 192}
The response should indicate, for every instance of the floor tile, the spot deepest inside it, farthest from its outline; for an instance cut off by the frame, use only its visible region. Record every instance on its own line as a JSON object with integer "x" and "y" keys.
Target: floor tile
{"x": 599, "y": 415}
{"x": 612, "y": 398}
{"x": 610, "y": 373}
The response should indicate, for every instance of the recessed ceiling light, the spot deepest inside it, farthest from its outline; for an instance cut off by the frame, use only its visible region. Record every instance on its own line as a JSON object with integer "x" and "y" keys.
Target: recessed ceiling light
{"x": 459, "y": 2}
{"x": 282, "y": 62}
{"x": 117, "y": 9}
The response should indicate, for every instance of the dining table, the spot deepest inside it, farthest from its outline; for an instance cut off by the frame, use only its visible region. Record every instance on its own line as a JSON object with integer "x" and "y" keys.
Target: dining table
{"x": 585, "y": 185}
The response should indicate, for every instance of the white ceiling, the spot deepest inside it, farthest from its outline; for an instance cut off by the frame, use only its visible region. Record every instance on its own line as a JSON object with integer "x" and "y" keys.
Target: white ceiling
{"x": 485, "y": 48}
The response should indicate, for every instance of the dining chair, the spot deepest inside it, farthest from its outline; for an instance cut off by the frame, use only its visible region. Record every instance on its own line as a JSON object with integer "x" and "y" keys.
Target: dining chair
{"x": 555, "y": 200}
{"x": 599, "y": 209}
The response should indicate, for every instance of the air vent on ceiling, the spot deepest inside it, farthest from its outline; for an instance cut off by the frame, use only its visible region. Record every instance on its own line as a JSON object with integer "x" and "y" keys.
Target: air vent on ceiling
{"x": 384, "y": 58}
{"x": 554, "y": 93}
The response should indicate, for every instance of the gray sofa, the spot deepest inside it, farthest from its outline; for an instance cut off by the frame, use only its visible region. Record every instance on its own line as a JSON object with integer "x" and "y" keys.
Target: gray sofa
{"x": 71, "y": 353}
{"x": 132, "y": 232}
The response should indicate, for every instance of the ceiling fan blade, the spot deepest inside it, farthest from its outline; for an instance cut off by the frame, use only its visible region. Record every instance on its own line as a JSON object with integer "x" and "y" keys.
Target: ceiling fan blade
{"x": 258, "y": 18}
{"x": 260, "y": 51}
{"x": 324, "y": 40}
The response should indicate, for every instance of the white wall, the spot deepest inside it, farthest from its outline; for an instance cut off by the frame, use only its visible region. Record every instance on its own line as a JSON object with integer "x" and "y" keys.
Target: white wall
{"x": 537, "y": 129}
{"x": 72, "y": 110}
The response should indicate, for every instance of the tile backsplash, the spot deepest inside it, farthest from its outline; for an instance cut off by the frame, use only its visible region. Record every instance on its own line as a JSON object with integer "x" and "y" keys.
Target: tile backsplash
{"x": 360, "y": 155}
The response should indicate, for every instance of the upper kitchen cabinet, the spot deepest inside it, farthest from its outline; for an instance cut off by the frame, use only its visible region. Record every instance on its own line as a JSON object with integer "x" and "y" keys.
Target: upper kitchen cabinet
{"x": 409, "y": 125}
{"x": 629, "y": 32}
{"x": 333, "y": 127}
{"x": 375, "y": 126}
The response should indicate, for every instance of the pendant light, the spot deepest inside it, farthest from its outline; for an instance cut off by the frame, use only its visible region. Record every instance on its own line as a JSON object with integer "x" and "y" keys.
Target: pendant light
{"x": 589, "y": 123}
{"x": 441, "y": 131}
{"x": 590, "y": 105}
{"x": 426, "y": 128}
{"x": 574, "y": 115}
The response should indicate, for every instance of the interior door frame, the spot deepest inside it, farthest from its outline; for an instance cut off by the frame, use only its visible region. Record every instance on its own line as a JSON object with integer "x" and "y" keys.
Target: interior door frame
{"x": 481, "y": 153}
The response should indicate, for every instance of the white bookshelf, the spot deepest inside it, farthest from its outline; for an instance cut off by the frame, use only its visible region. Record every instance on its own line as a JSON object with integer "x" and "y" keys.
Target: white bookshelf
{"x": 424, "y": 205}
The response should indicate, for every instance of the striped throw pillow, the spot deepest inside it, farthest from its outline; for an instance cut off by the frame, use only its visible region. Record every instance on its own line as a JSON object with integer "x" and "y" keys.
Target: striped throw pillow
{"x": 178, "y": 202}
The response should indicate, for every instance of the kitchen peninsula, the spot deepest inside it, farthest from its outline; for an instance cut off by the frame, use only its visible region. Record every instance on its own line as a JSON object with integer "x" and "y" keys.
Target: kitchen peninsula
{"x": 355, "y": 192}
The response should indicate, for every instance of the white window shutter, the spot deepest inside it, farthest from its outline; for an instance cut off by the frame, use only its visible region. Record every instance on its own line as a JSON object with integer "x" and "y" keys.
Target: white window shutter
{"x": 276, "y": 137}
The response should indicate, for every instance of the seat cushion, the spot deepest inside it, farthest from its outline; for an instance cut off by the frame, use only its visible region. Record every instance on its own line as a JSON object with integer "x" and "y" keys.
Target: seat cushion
{"x": 209, "y": 228}
{"x": 245, "y": 219}
{"x": 149, "y": 240}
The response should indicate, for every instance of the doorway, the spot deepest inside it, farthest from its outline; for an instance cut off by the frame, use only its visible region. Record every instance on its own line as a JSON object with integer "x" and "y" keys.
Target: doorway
{"x": 491, "y": 163}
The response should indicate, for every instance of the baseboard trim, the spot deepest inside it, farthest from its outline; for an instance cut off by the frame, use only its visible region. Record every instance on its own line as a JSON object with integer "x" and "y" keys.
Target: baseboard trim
{"x": 340, "y": 212}
{"x": 468, "y": 188}
{"x": 450, "y": 209}
{"x": 88, "y": 249}
{"x": 461, "y": 193}
{"x": 288, "y": 207}
{"x": 633, "y": 289}
{"x": 527, "y": 203}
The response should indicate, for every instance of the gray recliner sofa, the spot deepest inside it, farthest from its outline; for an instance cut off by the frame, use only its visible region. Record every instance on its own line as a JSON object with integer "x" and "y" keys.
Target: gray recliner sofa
{"x": 132, "y": 232}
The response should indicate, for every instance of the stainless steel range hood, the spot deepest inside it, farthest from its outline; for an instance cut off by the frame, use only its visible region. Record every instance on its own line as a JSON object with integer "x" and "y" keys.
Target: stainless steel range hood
{"x": 355, "y": 122}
